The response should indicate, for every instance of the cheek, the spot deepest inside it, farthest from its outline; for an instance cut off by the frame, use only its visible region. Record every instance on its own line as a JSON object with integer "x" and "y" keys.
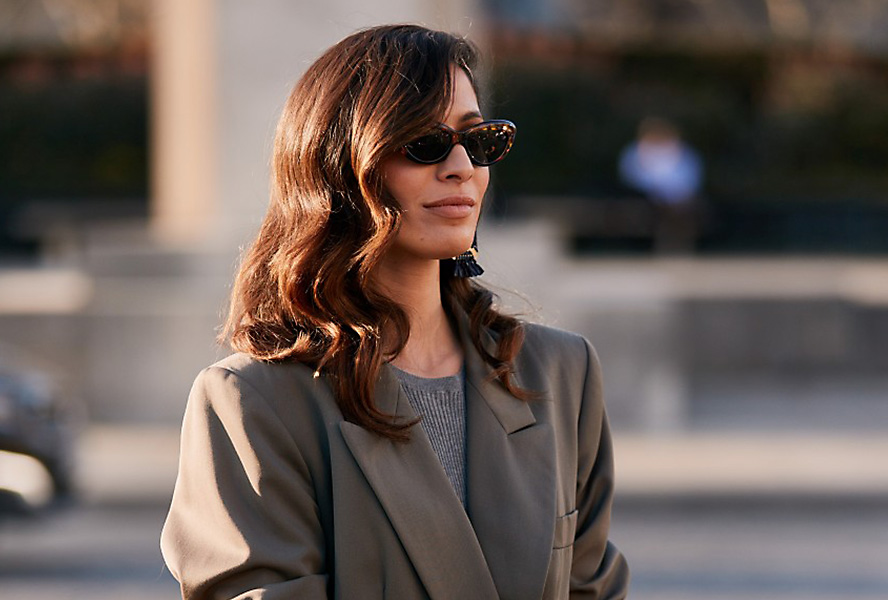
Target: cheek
{"x": 403, "y": 182}
{"x": 482, "y": 177}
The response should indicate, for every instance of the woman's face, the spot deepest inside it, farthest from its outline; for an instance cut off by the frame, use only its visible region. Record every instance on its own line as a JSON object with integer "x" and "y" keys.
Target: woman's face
{"x": 440, "y": 203}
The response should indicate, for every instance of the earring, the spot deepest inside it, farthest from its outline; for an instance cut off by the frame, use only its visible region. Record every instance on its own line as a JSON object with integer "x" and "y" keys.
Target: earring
{"x": 465, "y": 264}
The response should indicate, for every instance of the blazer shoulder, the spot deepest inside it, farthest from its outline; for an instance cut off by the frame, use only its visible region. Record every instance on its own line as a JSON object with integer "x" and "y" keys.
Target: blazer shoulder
{"x": 262, "y": 375}
{"x": 544, "y": 339}
{"x": 287, "y": 387}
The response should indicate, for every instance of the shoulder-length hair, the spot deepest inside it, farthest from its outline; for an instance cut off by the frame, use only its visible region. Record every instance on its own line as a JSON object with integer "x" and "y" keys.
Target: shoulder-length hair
{"x": 304, "y": 289}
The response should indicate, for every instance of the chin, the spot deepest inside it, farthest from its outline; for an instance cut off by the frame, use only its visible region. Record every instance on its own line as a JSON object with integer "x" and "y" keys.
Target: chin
{"x": 435, "y": 245}
{"x": 455, "y": 249}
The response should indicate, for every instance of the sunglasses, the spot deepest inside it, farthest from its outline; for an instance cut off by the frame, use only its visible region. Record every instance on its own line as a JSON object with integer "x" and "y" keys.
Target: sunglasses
{"x": 485, "y": 143}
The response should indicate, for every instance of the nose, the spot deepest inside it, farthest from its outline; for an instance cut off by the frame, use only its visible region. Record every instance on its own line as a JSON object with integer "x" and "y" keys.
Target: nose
{"x": 457, "y": 165}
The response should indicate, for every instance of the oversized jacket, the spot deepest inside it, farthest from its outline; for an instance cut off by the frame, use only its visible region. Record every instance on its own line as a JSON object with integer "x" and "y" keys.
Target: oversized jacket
{"x": 278, "y": 497}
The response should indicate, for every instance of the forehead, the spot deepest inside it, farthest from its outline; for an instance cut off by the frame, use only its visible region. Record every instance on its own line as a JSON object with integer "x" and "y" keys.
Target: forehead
{"x": 463, "y": 100}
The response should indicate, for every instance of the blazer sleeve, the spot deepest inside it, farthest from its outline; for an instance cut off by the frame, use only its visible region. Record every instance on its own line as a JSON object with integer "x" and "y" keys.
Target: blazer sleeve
{"x": 243, "y": 522}
{"x": 599, "y": 570}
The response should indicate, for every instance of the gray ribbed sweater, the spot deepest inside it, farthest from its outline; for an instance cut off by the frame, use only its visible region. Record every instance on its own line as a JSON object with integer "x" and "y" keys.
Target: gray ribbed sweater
{"x": 442, "y": 403}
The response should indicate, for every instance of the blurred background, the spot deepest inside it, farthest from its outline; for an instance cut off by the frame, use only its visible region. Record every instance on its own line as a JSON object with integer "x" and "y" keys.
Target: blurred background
{"x": 698, "y": 186}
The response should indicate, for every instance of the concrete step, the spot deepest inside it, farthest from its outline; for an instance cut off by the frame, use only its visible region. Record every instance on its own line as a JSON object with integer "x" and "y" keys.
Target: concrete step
{"x": 136, "y": 464}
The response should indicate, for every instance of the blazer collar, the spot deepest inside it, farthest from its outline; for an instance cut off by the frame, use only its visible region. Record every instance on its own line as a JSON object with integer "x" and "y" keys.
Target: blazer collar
{"x": 425, "y": 512}
{"x": 511, "y": 480}
{"x": 512, "y": 413}
{"x": 504, "y": 534}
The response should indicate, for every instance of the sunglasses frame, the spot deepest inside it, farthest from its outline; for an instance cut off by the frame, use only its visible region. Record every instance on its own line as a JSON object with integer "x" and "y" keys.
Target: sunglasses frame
{"x": 459, "y": 137}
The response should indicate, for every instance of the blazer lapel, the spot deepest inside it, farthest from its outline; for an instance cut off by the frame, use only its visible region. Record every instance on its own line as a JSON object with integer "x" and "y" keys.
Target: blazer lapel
{"x": 414, "y": 491}
{"x": 511, "y": 483}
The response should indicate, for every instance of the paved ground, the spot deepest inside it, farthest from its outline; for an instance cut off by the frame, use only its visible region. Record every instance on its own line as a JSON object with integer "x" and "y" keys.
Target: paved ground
{"x": 715, "y": 517}
{"x": 733, "y": 550}
{"x": 706, "y": 551}
{"x": 96, "y": 552}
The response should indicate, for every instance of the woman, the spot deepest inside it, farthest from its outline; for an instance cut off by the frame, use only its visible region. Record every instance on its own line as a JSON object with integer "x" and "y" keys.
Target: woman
{"x": 383, "y": 432}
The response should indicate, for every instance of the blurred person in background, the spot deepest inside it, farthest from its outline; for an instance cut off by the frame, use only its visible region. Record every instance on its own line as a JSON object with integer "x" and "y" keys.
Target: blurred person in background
{"x": 302, "y": 472}
{"x": 663, "y": 167}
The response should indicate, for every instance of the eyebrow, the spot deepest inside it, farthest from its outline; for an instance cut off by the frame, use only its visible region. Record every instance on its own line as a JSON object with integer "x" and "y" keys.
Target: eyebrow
{"x": 472, "y": 114}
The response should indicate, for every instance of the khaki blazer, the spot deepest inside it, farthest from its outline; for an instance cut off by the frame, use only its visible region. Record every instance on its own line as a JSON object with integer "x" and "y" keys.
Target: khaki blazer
{"x": 278, "y": 497}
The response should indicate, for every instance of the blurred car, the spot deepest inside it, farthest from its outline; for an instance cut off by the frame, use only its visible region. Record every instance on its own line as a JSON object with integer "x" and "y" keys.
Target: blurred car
{"x": 35, "y": 421}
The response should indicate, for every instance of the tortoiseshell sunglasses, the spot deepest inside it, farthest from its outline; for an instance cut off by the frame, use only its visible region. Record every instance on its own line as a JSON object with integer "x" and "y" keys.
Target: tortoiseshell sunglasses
{"x": 485, "y": 143}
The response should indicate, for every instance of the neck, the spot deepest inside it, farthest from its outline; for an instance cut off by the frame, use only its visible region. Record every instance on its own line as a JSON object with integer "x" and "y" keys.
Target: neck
{"x": 432, "y": 350}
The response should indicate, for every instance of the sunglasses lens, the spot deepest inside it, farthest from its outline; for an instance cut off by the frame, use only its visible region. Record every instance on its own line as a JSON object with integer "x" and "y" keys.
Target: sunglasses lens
{"x": 429, "y": 148}
{"x": 485, "y": 143}
{"x": 489, "y": 142}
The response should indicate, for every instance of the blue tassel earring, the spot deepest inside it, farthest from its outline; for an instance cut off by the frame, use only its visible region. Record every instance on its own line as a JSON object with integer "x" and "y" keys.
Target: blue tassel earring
{"x": 465, "y": 264}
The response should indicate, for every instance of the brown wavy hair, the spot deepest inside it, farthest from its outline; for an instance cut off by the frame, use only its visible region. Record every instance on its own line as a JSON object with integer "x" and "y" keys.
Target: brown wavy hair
{"x": 304, "y": 289}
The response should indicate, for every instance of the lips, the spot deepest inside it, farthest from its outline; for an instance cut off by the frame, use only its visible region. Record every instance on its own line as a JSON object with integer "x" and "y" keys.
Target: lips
{"x": 452, "y": 207}
{"x": 451, "y": 201}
